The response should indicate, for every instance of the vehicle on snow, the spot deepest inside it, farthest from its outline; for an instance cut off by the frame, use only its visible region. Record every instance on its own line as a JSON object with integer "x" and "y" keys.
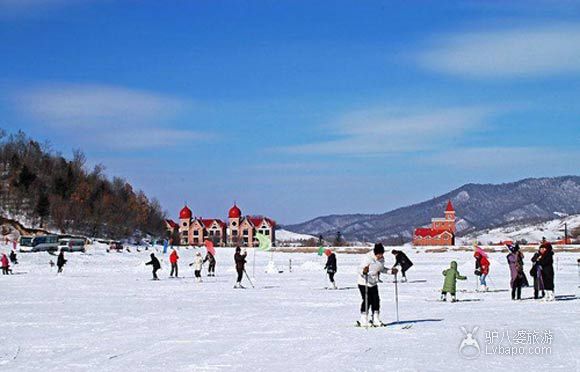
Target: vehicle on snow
{"x": 45, "y": 243}
{"x": 71, "y": 245}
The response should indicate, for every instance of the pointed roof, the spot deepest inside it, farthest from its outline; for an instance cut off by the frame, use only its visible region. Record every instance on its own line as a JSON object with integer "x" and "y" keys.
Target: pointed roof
{"x": 185, "y": 213}
{"x": 449, "y": 207}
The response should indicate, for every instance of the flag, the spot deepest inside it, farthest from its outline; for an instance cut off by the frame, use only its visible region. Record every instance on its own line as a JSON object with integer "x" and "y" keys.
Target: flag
{"x": 165, "y": 244}
{"x": 265, "y": 243}
{"x": 320, "y": 250}
{"x": 209, "y": 247}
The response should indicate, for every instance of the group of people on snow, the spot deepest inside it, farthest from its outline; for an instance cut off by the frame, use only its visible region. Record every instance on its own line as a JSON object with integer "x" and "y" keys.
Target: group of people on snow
{"x": 542, "y": 271}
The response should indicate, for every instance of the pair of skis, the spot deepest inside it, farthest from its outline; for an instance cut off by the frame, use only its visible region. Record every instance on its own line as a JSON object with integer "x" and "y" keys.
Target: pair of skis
{"x": 403, "y": 326}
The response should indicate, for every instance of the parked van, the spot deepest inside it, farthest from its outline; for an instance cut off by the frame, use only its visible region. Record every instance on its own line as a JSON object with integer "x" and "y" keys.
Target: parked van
{"x": 25, "y": 243}
{"x": 71, "y": 245}
{"x": 45, "y": 243}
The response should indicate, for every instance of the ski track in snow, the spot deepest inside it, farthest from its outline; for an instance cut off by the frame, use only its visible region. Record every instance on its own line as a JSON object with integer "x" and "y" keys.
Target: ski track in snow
{"x": 104, "y": 313}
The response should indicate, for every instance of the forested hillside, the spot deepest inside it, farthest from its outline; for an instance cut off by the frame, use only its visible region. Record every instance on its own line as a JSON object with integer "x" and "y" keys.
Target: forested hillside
{"x": 41, "y": 188}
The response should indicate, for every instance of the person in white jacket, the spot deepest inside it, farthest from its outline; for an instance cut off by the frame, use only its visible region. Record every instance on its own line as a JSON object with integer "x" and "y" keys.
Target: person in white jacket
{"x": 197, "y": 265}
{"x": 369, "y": 270}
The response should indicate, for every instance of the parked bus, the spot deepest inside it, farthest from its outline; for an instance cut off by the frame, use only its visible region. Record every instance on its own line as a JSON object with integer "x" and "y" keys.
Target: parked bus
{"x": 25, "y": 243}
{"x": 45, "y": 243}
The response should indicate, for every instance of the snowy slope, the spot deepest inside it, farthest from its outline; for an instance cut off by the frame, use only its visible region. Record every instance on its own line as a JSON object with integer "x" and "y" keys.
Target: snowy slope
{"x": 289, "y": 236}
{"x": 103, "y": 313}
{"x": 552, "y": 230}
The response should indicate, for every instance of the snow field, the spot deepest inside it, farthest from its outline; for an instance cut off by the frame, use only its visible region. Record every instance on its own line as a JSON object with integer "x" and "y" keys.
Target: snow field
{"x": 104, "y": 313}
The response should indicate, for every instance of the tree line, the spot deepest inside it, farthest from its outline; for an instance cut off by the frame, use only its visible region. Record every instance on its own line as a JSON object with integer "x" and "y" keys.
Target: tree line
{"x": 49, "y": 191}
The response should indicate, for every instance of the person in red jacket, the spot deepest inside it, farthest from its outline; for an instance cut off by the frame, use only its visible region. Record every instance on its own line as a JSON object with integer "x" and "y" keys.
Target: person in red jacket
{"x": 173, "y": 257}
{"x": 481, "y": 267}
{"x": 5, "y": 264}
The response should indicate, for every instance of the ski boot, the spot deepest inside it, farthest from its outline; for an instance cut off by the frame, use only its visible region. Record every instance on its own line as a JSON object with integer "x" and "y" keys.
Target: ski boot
{"x": 334, "y": 285}
{"x": 404, "y": 279}
{"x": 376, "y": 322}
{"x": 443, "y": 297}
{"x": 364, "y": 321}
{"x": 453, "y": 298}
{"x": 549, "y": 296}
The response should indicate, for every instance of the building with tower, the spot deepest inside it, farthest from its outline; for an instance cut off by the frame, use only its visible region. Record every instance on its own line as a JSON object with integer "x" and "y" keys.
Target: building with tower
{"x": 240, "y": 230}
{"x": 441, "y": 232}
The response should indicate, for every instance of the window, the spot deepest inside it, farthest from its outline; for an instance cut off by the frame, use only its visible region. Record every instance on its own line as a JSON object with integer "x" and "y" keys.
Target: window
{"x": 266, "y": 232}
{"x": 234, "y": 223}
{"x": 211, "y": 233}
{"x": 184, "y": 223}
{"x": 184, "y": 233}
{"x": 217, "y": 233}
{"x": 195, "y": 233}
{"x": 246, "y": 232}
{"x": 234, "y": 232}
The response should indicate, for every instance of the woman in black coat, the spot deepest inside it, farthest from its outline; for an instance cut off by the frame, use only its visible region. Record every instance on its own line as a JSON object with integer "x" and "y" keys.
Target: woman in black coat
{"x": 546, "y": 261}
{"x": 330, "y": 266}
{"x": 402, "y": 260}
{"x": 156, "y": 266}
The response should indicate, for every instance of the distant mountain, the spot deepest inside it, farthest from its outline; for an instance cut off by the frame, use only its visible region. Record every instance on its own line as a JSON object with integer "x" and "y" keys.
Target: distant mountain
{"x": 478, "y": 207}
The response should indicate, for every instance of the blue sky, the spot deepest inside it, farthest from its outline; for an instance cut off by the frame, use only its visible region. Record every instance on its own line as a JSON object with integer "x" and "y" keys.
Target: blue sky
{"x": 297, "y": 109}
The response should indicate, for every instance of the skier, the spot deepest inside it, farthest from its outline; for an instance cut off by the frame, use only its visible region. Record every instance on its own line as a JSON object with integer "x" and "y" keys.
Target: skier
{"x": 156, "y": 265}
{"x": 197, "y": 265}
{"x": 60, "y": 261}
{"x": 450, "y": 284}
{"x": 330, "y": 266}
{"x": 371, "y": 266}
{"x": 240, "y": 260}
{"x": 5, "y": 264}
{"x": 546, "y": 261}
{"x": 481, "y": 267}
{"x": 402, "y": 260}
{"x": 13, "y": 257}
{"x": 211, "y": 267}
{"x": 173, "y": 257}
{"x": 515, "y": 261}
{"x": 536, "y": 273}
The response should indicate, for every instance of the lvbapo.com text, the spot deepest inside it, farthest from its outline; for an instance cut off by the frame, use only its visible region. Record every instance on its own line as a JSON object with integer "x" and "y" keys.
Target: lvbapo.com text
{"x": 518, "y": 350}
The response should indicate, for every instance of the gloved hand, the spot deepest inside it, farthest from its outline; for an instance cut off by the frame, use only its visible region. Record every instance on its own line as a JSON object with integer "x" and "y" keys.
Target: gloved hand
{"x": 366, "y": 270}
{"x": 394, "y": 271}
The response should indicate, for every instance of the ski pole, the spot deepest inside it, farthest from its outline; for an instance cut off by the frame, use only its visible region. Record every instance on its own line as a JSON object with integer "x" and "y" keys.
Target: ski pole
{"x": 397, "y": 297}
{"x": 247, "y": 276}
{"x": 367, "y": 300}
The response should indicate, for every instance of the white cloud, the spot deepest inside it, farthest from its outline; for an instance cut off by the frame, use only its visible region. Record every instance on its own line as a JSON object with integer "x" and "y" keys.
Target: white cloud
{"x": 390, "y": 131}
{"x": 507, "y": 53}
{"x": 107, "y": 116}
{"x": 502, "y": 158}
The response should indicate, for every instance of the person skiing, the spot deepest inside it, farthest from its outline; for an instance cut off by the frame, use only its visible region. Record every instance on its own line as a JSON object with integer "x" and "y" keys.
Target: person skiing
{"x": 211, "y": 267}
{"x": 240, "y": 260}
{"x": 13, "y": 257}
{"x": 518, "y": 280}
{"x": 173, "y": 257}
{"x": 481, "y": 267}
{"x": 197, "y": 266}
{"x": 536, "y": 273}
{"x": 546, "y": 262}
{"x": 403, "y": 261}
{"x": 60, "y": 261}
{"x": 371, "y": 266}
{"x": 450, "y": 283}
{"x": 155, "y": 265}
{"x": 330, "y": 266}
{"x": 5, "y": 264}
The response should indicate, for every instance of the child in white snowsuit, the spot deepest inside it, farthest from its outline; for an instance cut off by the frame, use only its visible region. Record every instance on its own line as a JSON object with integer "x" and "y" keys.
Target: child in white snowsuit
{"x": 197, "y": 265}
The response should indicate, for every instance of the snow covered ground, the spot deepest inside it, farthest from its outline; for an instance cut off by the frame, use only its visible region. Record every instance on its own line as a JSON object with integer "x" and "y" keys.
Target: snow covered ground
{"x": 104, "y": 313}
{"x": 289, "y": 236}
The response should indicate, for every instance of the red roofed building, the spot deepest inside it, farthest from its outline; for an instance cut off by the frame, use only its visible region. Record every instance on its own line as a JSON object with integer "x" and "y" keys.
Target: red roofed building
{"x": 441, "y": 232}
{"x": 242, "y": 230}
{"x": 239, "y": 230}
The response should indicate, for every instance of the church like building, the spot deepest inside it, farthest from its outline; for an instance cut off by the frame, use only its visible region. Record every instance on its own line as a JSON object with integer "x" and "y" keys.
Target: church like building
{"x": 240, "y": 230}
{"x": 441, "y": 232}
